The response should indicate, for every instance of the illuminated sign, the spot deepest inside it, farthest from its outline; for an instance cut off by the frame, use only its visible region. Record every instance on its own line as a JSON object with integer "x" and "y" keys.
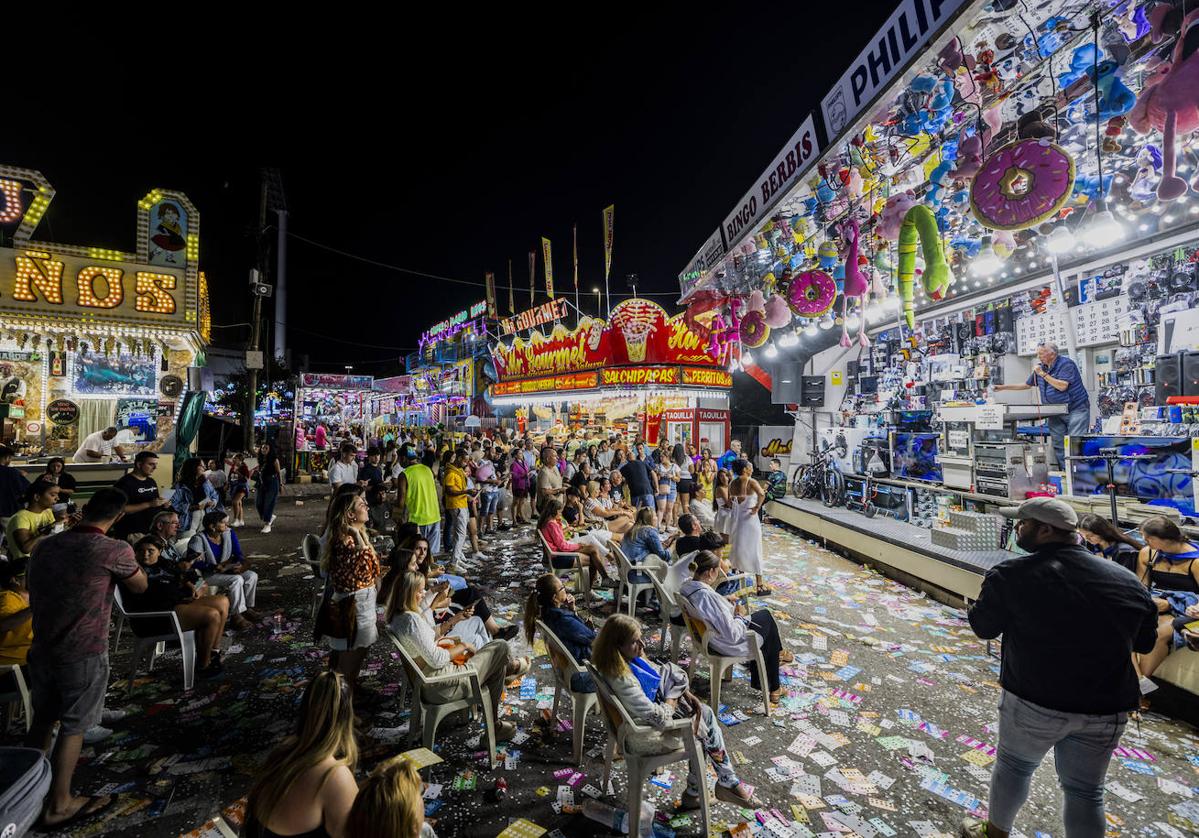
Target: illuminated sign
{"x": 452, "y": 325}
{"x": 37, "y": 281}
{"x": 548, "y": 384}
{"x": 542, "y": 314}
{"x": 707, "y": 378}
{"x": 640, "y": 375}
{"x": 337, "y": 381}
{"x": 708, "y": 415}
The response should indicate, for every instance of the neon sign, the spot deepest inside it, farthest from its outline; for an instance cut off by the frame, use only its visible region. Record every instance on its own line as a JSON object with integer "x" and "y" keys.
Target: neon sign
{"x": 453, "y": 325}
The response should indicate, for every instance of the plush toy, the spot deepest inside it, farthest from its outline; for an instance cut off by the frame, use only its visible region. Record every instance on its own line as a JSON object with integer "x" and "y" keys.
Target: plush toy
{"x": 811, "y": 294}
{"x": 1089, "y": 189}
{"x": 970, "y": 156}
{"x": 828, "y": 255}
{"x": 1003, "y": 243}
{"x": 1169, "y": 102}
{"x": 778, "y": 313}
{"x": 919, "y": 227}
{"x": 1021, "y": 185}
{"x": 893, "y": 214}
{"x": 1144, "y": 184}
{"x": 856, "y": 283}
{"x": 938, "y": 180}
{"x": 1084, "y": 58}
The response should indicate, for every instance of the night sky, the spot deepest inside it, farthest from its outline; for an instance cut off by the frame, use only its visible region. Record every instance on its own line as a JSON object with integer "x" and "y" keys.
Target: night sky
{"x": 449, "y": 160}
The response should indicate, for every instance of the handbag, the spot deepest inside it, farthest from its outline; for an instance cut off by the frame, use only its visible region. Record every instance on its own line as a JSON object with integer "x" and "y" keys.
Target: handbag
{"x": 337, "y": 620}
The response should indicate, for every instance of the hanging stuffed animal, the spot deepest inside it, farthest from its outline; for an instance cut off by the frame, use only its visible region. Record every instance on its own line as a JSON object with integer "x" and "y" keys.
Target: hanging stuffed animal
{"x": 970, "y": 156}
{"x": 1169, "y": 103}
{"x": 1144, "y": 183}
{"x": 856, "y": 285}
{"x": 920, "y": 228}
{"x": 893, "y": 214}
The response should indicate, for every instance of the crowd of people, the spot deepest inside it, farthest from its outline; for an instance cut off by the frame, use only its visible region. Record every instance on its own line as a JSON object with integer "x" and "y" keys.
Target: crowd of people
{"x": 689, "y": 519}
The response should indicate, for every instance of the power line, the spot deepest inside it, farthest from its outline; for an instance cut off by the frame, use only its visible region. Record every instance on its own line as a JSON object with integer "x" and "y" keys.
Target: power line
{"x": 376, "y": 263}
{"x": 325, "y": 336}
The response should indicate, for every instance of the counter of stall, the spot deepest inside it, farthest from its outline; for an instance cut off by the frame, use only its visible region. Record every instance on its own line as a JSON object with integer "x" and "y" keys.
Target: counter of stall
{"x": 92, "y": 476}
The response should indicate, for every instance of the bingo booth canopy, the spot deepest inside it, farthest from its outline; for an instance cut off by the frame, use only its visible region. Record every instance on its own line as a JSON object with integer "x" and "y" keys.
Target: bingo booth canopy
{"x": 641, "y": 372}
{"x": 91, "y": 337}
{"x": 335, "y": 399}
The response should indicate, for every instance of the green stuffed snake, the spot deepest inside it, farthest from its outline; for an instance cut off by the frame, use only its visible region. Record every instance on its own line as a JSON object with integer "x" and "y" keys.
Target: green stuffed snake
{"x": 920, "y": 226}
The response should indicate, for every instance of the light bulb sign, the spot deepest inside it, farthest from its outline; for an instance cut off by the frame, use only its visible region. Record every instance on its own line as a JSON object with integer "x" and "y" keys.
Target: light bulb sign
{"x": 451, "y": 326}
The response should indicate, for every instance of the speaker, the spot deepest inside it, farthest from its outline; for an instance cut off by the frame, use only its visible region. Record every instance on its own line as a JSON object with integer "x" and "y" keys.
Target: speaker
{"x": 812, "y": 391}
{"x": 786, "y": 382}
{"x": 965, "y": 331}
{"x": 1190, "y": 373}
{"x": 1003, "y": 319}
{"x": 1168, "y": 377}
{"x": 851, "y": 369}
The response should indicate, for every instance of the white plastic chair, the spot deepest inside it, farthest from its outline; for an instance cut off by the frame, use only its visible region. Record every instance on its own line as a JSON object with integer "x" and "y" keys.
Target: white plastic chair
{"x": 428, "y": 715}
{"x": 580, "y": 573}
{"x": 565, "y": 666}
{"x": 627, "y": 585}
{"x": 156, "y": 645}
{"x": 668, "y": 604}
{"x": 640, "y": 767}
{"x": 719, "y": 664}
{"x": 20, "y": 695}
{"x": 311, "y": 549}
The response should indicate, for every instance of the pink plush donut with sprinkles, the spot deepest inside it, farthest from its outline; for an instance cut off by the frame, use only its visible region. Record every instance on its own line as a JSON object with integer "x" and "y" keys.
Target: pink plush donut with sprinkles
{"x": 812, "y": 293}
{"x": 754, "y": 330}
{"x": 1022, "y": 184}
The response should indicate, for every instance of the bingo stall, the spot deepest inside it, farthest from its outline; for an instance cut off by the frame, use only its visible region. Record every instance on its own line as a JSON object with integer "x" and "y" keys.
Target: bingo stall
{"x": 643, "y": 372}
{"x": 335, "y": 400}
{"x": 91, "y": 337}
{"x": 446, "y": 370}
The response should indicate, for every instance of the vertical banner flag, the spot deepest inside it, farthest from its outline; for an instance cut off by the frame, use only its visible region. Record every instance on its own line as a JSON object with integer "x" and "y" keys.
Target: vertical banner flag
{"x": 574, "y": 231}
{"x": 532, "y": 274}
{"x": 609, "y": 218}
{"x": 511, "y": 291}
{"x": 547, "y": 255}
{"x": 492, "y": 309}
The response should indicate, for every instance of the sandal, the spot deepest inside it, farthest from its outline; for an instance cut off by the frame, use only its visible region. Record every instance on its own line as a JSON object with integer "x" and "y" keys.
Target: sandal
{"x": 738, "y": 795}
{"x": 763, "y": 591}
{"x": 517, "y": 666}
{"x": 689, "y": 802}
{"x": 776, "y": 696}
{"x": 94, "y": 806}
{"x": 785, "y": 656}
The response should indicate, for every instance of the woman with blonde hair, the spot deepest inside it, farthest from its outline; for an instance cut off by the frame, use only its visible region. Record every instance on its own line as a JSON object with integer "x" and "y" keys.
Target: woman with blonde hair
{"x": 390, "y": 803}
{"x": 445, "y": 651}
{"x": 656, "y": 694}
{"x": 307, "y": 786}
{"x": 353, "y": 572}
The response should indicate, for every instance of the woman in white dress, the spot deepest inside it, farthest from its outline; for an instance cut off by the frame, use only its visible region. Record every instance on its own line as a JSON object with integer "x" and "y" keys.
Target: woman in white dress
{"x": 745, "y": 538}
{"x": 720, "y": 503}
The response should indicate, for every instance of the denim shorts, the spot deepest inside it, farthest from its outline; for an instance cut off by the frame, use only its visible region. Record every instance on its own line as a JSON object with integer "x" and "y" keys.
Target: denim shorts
{"x": 488, "y": 501}
{"x": 643, "y": 500}
{"x": 671, "y": 494}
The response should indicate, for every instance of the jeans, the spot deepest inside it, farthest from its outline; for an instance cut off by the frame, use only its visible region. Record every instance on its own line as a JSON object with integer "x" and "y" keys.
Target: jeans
{"x": 433, "y": 533}
{"x": 490, "y": 500}
{"x": 1082, "y": 748}
{"x": 459, "y": 518}
{"x": 1075, "y": 423}
{"x": 264, "y": 501}
{"x": 643, "y": 500}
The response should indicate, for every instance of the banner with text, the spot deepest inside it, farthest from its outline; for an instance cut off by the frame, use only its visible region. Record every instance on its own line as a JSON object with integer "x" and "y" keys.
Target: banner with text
{"x": 547, "y": 256}
{"x": 774, "y": 442}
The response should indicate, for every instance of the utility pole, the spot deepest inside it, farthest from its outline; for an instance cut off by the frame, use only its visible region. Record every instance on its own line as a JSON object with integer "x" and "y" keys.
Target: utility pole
{"x": 247, "y": 419}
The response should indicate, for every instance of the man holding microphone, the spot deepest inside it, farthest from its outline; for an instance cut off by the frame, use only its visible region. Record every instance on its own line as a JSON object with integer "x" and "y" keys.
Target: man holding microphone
{"x": 1059, "y": 382}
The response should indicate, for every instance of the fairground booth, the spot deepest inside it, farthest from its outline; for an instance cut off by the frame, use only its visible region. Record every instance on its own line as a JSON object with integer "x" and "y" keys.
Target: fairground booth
{"x": 447, "y": 371}
{"x": 92, "y": 337}
{"x": 990, "y": 194}
{"x": 337, "y": 402}
{"x": 642, "y": 372}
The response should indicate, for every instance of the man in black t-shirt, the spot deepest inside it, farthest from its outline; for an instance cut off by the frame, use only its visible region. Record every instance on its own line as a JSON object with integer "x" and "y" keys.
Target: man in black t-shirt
{"x": 641, "y": 483}
{"x": 144, "y": 501}
{"x": 13, "y": 485}
{"x": 695, "y": 538}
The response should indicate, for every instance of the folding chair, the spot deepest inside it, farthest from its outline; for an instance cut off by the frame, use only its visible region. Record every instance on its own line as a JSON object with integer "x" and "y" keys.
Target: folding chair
{"x": 311, "y": 549}
{"x": 634, "y": 579}
{"x": 719, "y": 664}
{"x": 580, "y": 573}
{"x": 157, "y": 644}
{"x": 21, "y": 694}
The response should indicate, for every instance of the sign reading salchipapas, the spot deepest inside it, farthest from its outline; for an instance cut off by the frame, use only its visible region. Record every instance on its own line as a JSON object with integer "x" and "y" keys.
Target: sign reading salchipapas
{"x": 893, "y": 47}
{"x": 639, "y": 375}
{"x": 788, "y": 167}
{"x": 34, "y": 281}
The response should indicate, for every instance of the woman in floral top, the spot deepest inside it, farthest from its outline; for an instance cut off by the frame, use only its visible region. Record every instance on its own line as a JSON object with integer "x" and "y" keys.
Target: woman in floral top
{"x": 353, "y": 572}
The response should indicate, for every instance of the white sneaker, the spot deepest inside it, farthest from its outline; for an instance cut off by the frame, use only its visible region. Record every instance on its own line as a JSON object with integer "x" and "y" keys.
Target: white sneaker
{"x": 238, "y": 523}
{"x": 479, "y": 556}
{"x": 96, "y": 734}
{"x": 266, "y": 529}
{"x": 273, "y": 517}
{"x": 110, "y": 716}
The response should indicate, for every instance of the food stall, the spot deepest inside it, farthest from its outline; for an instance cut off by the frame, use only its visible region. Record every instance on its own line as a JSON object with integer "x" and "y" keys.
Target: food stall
{"x": 642, "y": 372}
{"x": 447, "y": 371}
{"x": 984, "y": 179}
{"x": 92, "y": 337}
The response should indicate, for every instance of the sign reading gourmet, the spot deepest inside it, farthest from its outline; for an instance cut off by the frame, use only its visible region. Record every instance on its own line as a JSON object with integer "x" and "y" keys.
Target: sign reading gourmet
{"x": 542, "y": 314}
{"x": 708, "y": 378}
{"x": 549, "y": 384}
{"x": 786, "y": 169}
{"x": 640, "y": 333}
{"x": 639, "y": 375}
{"x": 893, "y": 47}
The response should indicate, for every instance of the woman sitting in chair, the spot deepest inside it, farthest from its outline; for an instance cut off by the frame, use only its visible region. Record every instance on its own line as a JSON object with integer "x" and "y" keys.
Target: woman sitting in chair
{"x": 444, "y": 649}
{"x": 656, "y": 694}
{"x": 645, "y": 540}
{"x": 599, "y": 508}
{"x": 216, "y": 553}
{"x": 307, "y": 785}
{"x": 731, "y": 632}
{"x": 549, "y": 524}
{"x": 551, "y": 603}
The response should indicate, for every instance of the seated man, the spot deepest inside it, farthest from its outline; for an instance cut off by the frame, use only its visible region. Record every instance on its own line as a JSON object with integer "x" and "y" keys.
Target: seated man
{"x": 776, "y": 481}
{"x": 693, "y": 537}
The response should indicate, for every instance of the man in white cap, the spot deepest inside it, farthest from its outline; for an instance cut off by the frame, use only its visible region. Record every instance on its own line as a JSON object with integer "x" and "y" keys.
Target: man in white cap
{"x": 1070, "y": 622}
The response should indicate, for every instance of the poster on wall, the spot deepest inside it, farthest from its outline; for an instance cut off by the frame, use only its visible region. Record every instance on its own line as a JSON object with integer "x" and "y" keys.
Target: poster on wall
{"x": 139, "y": 416}
{"x": 168, "y": 234}
{"x": 21, "y": 381}
{"x": 774, "y": 442}
{"x": 117, "y": 375}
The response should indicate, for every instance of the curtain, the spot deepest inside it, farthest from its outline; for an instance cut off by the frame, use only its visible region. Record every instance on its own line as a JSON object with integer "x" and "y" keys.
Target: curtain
{"x": 95, "y": 415}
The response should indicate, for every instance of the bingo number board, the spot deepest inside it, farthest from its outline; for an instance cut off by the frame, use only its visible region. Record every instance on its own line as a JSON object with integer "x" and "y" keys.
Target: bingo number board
{"x": 1095, "y": 324}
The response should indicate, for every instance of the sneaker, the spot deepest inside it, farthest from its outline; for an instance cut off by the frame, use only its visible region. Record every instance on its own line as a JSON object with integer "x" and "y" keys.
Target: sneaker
{"x": 973, "y": 828}
{"x": 273, "y": 519}
{"x": 479, "y": 556}
{"x": 110, "y": 716}
{"x": 504, "y": 731}
{"x": 96, "y": 734}
{"x": 266, "y": 529}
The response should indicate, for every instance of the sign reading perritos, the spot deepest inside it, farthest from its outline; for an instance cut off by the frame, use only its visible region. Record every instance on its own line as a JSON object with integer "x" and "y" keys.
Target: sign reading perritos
{"x": 545, "y": 313}
{"x": 707, "y": 378}
{"x": 639, "y": 375}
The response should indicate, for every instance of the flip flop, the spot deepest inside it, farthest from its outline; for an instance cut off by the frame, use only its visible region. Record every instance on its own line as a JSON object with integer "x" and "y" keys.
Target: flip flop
{"x": 786, "y": 657}
{"x": 93, "y": 807}
{"x": 729, "y": 795}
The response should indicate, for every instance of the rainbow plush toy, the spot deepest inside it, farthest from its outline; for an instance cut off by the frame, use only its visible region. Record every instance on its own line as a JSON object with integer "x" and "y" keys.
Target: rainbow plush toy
{"x": 920, "y": 227}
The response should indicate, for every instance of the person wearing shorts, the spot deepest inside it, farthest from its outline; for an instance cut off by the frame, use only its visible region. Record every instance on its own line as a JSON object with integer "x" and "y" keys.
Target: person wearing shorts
{"x": 640, "y": 481}
{"x": 71, "y": 580}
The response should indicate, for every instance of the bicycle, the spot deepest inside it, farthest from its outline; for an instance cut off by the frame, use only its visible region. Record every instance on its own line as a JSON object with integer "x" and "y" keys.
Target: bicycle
{"x": 820, "y": 478}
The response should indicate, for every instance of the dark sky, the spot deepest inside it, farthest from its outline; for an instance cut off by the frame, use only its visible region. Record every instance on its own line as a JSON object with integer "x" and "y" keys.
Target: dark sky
{"x": 448, "y": 152}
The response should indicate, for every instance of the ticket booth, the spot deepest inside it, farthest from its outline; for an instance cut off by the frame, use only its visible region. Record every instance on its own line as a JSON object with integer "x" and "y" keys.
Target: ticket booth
{"x": 679, "y": 426}
{"x": 712, "y": 429}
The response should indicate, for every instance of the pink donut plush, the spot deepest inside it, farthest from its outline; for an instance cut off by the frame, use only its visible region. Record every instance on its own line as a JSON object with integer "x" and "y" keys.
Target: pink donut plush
{"x": 754, "y": 330}
{"x": 1022, "y": 184}
{"x": 812, "y": 293}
